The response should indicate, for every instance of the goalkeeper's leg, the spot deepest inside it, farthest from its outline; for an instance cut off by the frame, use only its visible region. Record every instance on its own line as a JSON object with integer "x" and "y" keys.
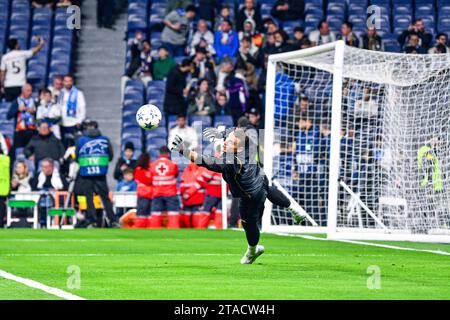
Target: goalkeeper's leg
{"x": 251, "y": 211}
{"x": 277, "y": 197}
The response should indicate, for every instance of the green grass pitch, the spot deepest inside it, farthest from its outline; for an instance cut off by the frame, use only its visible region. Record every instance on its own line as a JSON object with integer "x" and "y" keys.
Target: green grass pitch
{"x": 204, "y": 264}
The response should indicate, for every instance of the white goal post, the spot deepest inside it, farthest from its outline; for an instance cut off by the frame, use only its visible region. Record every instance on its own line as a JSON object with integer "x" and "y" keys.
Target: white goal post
{"x": 361, "y": 141}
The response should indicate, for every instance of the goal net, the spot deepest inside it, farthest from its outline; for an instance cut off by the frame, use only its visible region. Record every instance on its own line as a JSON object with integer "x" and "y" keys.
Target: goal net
{"x": 361, "y": 140}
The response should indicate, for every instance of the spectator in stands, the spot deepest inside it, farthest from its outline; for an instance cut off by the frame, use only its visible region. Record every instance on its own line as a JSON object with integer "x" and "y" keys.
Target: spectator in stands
{"x": 202, "y": 102}
{"x": 187, "y": 133}
{"x": 63, "y": 3}
{"x": 143, "y": 178}
{"x": 249, "y": 31}
{"x": 56, "y": 87}
{"x": 105, "y": 10}
{"x": 48, "y": 178}
{"x": 176, "y": 30}
{"x": 203, "y": 38}
{"x": 127, "y": 183}
{"x": 225, "y": 14}
{"x": 13, "y": 68}
{"x": 223, "y": 71}
{"x": 44, "y": 145}
{"x": 176, "y": 89}
{"x": 226, "y": 41}
{"x": 48, "y": 111}
{"x": 413, "y": 45}
{"x": 125, "y": 162}
{"x": 255, "y": 119}
{"x": 248, "y": 54}
{"x": 146, "y": 59}
{"x": 440, "y": 45}
{"x": 367, "y": 106}
{"x": 249, "y": 11}
{"x": 23, "y": 111}
{"x": 281, "y": 42}
{"x": 73, "y": 107}
{"x": 298, "y": 41}
{"x": 288, "y": 10}
{"x": 135, "y": 50}
{"x": 222, "y": 107}
{"x": 371, "y": 40}
{"x": 21, "y": 177}
{"x": 164, "y": 174}
{"x": 322, "y": 35}
{"x": 176, "y": 4}
{"x": 348, "y": 36}
{"x": 163, "y": 65}
{"x": 417, "y": 28}
{"x": 307, "y": 154}
{"x": 203, "y": 67}
{"x": 43, "y": 3}
{"x": 4, "y": 148}
{"x": 305, "y": 110}
{"x": 238, "y": 94}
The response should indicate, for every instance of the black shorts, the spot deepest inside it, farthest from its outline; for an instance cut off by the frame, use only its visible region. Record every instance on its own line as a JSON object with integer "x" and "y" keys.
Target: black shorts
{"x": 252, "y": 209}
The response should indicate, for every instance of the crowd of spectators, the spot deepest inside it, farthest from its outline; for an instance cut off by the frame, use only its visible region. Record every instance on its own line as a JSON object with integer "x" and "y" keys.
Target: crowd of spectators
{"x": 222, "y": 54}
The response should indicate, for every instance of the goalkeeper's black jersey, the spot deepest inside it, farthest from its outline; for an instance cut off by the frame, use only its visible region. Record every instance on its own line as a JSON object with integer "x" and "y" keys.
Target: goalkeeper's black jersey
{"x": 244, "y": 177}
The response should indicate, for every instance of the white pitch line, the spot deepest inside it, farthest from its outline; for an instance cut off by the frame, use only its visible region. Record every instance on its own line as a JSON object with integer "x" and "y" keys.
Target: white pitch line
{"x": 37, "y": 285}
{"x": 444, "y": 253}
{"x": 156, "y": 254}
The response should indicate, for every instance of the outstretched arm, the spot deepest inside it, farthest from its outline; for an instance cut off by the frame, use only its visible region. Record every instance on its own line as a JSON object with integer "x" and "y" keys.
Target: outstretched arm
{"x": 210, "y": 163}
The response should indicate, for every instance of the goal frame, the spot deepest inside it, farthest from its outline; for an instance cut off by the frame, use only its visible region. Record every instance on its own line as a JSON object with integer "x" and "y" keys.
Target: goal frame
{"x": 332, "y": 231}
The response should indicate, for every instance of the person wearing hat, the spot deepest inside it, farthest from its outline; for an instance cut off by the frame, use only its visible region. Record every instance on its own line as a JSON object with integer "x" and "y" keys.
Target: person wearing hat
{"x": 125, "y": 162}
{"x": 163, "y": 65}
{"x": 255, "y": 119}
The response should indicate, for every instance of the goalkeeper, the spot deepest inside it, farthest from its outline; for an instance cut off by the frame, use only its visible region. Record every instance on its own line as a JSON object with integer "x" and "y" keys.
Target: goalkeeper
{"x": 244, "y": 176}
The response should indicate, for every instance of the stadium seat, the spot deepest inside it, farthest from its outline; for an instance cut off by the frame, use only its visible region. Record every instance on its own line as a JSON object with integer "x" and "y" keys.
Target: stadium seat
{"x": 204, "y": 120}
{"x": 223, "y": 120}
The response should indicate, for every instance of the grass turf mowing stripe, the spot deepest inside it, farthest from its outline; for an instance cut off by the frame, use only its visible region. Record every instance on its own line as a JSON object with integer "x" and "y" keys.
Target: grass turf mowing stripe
{"x": 387, "y": 246}
{"x": 37, "y": 285}
{"x": 204, "y": 264}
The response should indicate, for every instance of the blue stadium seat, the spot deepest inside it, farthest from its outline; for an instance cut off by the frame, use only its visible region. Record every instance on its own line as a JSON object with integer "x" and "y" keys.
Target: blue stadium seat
{"x": 204, "y": 120}
{"x": 391, "y": 46}
{"x": 160, "y": 132}
{"x": 223, "y": 120}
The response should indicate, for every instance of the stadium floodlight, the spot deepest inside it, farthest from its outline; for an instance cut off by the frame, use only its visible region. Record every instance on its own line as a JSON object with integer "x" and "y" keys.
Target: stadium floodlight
{"x": 361, "y": 140}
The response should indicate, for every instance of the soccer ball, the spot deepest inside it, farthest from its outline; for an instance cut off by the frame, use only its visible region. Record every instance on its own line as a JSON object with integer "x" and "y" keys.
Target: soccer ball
{"x": 148, "y": 117}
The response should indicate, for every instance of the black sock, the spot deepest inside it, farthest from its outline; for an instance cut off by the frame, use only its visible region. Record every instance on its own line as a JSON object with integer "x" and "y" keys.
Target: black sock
{"x": 251, "y": 232}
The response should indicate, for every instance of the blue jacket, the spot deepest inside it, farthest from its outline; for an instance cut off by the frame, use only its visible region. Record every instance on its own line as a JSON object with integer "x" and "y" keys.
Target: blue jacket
{"x": 308, "y": 150}
{"x": 230, "y": 49}
{"x": 125, "y": 186}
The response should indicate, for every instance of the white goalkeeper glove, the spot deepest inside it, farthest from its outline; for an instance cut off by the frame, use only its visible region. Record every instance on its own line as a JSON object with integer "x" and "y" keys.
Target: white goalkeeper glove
{"x": 213, "y": 134}
{"x": 177, "y": 144}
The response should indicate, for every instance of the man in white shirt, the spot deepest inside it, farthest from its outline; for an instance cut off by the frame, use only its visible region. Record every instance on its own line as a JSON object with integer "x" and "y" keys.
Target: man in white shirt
{"x": 322, "y": 35}
{"x": 13, "y": 68}
{"x": 73, "y": 107}
{"x": 188, "y": 134}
